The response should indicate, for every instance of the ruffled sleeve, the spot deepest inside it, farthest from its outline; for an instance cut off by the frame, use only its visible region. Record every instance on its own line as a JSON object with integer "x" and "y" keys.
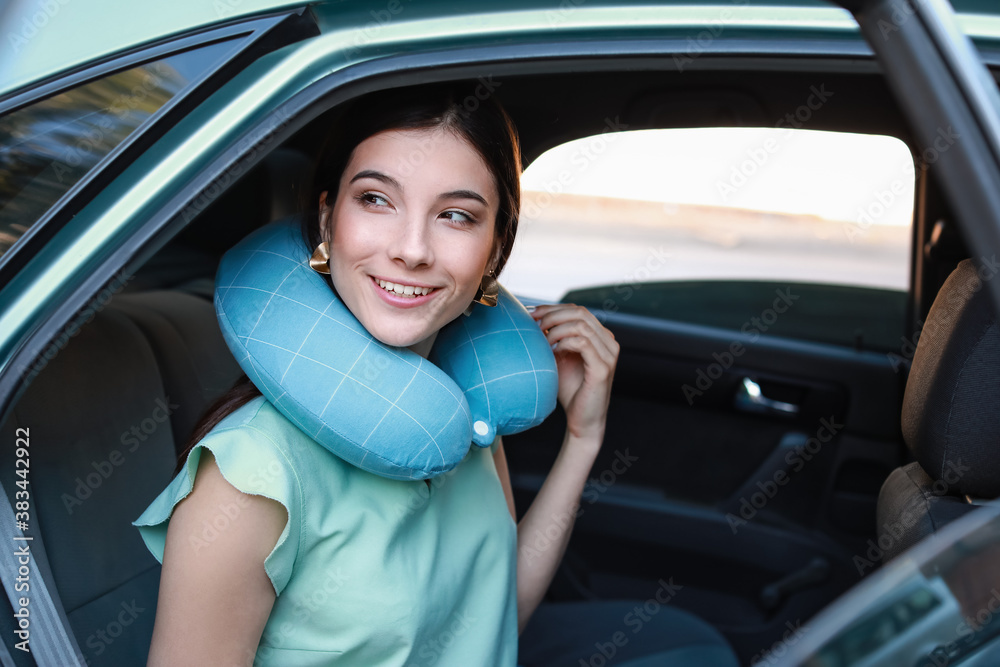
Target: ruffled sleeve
{"x": 253, "y": 463}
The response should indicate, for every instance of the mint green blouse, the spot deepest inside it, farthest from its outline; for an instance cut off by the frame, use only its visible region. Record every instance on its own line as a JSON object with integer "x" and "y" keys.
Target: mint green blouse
{"x": 367, "y": 571}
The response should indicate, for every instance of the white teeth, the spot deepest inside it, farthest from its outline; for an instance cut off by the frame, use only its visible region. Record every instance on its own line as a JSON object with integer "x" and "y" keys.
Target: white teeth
{"x": 405, "y": 290}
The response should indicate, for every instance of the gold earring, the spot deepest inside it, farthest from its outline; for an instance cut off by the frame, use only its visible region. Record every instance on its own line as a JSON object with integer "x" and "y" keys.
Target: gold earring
{"x": 488, "y": 290}
{"x": 320, "y": 260}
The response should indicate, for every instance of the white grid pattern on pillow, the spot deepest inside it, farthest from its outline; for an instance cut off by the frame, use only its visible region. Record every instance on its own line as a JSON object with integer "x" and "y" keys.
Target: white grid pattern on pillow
{"x": 269, "y": 379}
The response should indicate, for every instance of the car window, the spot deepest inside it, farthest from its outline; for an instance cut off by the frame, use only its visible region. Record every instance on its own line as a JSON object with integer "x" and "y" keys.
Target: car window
{"x": 782, "y": 231}
{"x": 49, "y": 146}
{"x": 935, "y": 605}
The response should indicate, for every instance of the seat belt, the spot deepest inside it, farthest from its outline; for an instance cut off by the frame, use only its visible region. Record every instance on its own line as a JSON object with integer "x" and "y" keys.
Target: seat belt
{"x": 6, "y": 659}
{"x": 49, "y": 637}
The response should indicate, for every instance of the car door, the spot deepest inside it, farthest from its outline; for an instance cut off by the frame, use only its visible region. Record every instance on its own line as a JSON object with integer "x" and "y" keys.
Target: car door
{"x": 939, "y": 77}
{"x": 62, "y": 140}
{"x": 756, "y": 403}
{"x": 752, "y": 425}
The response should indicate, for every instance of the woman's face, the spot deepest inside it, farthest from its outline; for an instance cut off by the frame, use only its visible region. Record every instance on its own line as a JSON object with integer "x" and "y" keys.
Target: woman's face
{"x": 411, "y": 233}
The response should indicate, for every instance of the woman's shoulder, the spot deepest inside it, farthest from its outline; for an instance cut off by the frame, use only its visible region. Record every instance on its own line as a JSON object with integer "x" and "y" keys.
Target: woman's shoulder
{"x": 257, "y": 414}
{"x": 259, "y": 452}
{"x": 260, "y": 422}
{"x": 262, "y": 439}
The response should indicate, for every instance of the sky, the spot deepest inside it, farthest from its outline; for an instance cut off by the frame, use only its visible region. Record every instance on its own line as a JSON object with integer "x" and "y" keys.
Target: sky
{"x": 835, "y": 175}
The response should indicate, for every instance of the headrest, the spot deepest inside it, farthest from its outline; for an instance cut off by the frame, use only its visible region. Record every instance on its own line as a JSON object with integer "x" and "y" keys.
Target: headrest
{"x": 384, "y": 409}
{"x": 951, "y": 408}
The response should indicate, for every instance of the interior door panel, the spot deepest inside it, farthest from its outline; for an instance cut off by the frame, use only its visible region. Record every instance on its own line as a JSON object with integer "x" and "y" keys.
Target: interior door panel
{"x": 756, "y": 515}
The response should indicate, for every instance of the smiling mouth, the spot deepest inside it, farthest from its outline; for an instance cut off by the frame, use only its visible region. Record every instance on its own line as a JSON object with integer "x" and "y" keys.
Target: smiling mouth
{"x": 404, "y": 290}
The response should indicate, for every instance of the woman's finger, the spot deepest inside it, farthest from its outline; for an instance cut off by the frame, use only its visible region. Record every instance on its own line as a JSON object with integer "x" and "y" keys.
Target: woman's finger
{"x": 596, "y": 366}
{"x": 556, "y": 313}
{"x": 563, "y": 333}
{"x": 550, "y": 315}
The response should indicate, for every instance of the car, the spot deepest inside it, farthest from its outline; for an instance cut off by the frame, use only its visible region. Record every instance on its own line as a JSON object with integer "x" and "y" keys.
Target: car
{"x": 764, "y": 352}
{"x": 936, "y": 605}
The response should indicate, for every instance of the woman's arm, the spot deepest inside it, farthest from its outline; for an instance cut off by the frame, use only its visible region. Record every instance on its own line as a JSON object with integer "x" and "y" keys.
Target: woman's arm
{"x": 214, "y": 594}
{"x": 586, "y": 355}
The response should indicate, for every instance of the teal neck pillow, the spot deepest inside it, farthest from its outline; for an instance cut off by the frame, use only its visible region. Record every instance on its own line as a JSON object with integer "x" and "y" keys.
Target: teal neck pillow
{"x": 384, "y": 409}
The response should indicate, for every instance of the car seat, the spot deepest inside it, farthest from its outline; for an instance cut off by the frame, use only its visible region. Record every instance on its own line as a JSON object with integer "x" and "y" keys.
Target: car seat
{"x": 950, "y": 417}
{"x": 108, "y": 411}
{"x": 106, "y": 416}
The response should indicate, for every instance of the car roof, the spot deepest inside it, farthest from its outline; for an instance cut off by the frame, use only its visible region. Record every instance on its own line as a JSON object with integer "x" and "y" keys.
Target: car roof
{"x": 42, "y": 39}
{"x": 54, "y": 36}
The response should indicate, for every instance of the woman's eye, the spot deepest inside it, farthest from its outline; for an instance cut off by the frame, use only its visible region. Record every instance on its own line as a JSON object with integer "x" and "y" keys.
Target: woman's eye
{"x": 372, "y": 199}
{"x": 458, "y": 216}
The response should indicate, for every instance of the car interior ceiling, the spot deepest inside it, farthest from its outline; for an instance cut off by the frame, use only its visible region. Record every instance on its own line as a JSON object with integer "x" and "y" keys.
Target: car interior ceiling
{"x": 156, "y": 351}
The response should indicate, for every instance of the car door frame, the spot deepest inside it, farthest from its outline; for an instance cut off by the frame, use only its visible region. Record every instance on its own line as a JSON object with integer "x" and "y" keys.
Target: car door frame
{"x": 249, "y": 40}
{"x": 280, "y": 122}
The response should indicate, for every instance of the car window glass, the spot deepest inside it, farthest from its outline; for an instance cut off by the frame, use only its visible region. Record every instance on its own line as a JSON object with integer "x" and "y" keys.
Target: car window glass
{"x": 49, "y": 146}
{"x": 936, "y": 605}
{"x": 709, "y": 225}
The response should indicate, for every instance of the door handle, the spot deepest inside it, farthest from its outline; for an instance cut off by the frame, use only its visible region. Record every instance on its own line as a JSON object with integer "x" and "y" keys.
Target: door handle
{"x": 749, "y": 398}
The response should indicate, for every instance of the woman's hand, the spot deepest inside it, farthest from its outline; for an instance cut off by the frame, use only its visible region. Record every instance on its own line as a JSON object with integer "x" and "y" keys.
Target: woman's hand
{"x": 586, "y": 355}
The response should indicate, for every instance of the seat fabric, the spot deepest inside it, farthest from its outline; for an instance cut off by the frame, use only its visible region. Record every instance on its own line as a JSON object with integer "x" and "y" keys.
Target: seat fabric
{"x": 950, "y": 418}
{"x": 567, "y": 634}
{"x": 912, "y": 506}
{"x": 951, "y": 407}
{"x": 191, "y": 354}
{"x": 103, "y": 415}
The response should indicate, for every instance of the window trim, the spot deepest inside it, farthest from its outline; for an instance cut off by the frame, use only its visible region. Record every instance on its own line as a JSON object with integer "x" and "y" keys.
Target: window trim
{"x": 251, "y": 29}
{"x": 249, "y": 40}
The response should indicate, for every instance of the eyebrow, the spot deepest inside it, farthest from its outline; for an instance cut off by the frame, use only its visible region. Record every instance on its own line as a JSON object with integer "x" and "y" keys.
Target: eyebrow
{"x": 390, "y": 181}
{"x": 378, "y": 176}
{"x": 464, "y": 194}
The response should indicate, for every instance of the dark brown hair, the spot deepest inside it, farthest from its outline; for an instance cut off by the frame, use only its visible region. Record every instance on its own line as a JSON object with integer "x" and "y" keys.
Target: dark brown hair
{"x": 468, "y": 110}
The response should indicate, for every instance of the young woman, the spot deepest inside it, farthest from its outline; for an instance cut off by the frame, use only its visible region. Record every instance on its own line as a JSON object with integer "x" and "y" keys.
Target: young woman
{"x": 324, "y": 563}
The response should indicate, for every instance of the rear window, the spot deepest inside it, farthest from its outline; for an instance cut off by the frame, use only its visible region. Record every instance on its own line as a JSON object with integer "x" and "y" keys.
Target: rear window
{"x": 710, "y": 225}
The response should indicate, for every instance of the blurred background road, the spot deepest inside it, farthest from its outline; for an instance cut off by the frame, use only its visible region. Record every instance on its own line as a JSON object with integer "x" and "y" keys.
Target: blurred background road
{"x": 567, "y": 241}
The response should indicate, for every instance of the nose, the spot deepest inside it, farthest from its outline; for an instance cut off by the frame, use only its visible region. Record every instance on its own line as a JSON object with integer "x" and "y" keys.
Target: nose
{"x": 411, "y": 244}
